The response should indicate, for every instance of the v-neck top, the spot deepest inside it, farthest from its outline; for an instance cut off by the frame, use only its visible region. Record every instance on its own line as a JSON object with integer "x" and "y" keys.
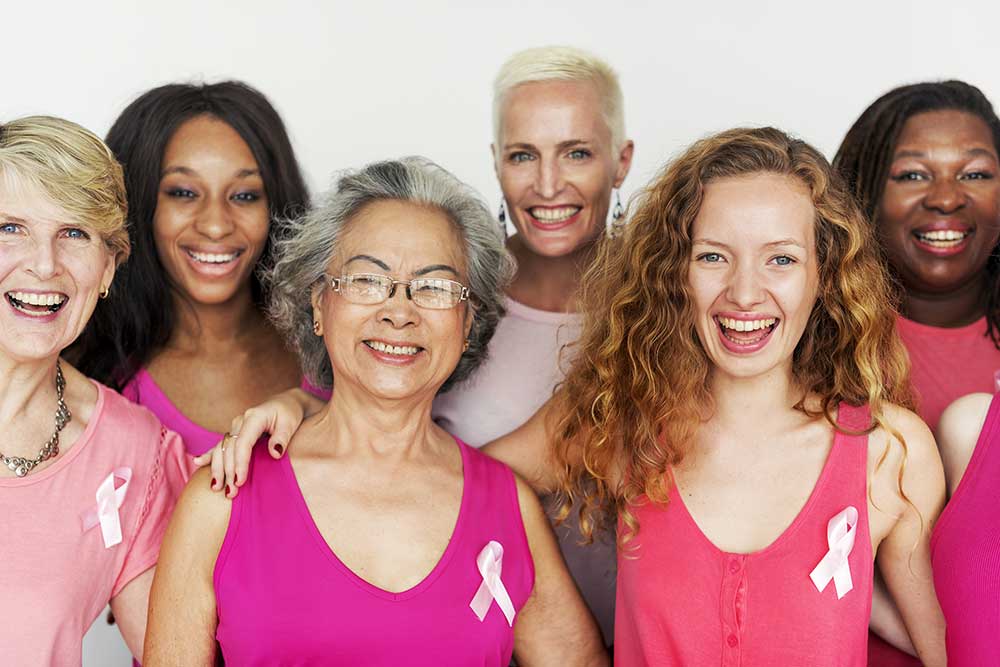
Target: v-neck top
{"x": 684, "y": 601}
{"x": 284, "y": 597}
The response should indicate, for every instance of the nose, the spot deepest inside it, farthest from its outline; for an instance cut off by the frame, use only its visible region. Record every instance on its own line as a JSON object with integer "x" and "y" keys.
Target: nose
{"x": 945, "y": 196}
{"x": 214, "y": 219}
{"x": 549, "y": 178}
{"x": 398, "y": 311}
{"x": 745, "y": 289}
{"x": 43, "y": 261}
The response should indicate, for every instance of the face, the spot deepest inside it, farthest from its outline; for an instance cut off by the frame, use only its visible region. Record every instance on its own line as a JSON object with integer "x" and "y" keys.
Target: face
{"x": 212, "y": 218}
{"x": 557, "y": 165}
{"x": 396, "y": 349}
{"x": 754, "y": 273}
{"x": 52, "y": 269}
{"x": 939, "y": 218}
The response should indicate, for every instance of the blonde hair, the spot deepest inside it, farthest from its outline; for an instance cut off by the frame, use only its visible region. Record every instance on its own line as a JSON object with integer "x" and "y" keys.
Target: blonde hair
{"x": 561, "y": 63}
{"x": 74, "y": 168}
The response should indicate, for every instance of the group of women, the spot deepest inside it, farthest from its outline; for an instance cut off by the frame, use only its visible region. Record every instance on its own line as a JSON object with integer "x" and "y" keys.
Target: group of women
{"x": 725, "y": 397}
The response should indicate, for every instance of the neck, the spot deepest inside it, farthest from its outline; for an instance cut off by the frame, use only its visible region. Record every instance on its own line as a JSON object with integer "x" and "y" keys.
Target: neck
{"x": 740, "y": 403}
{"x": 206, "y": 328}
{"x": 957, "y": 308}
{"x": 27, "y": 403}
{"x": 548, "y": 283}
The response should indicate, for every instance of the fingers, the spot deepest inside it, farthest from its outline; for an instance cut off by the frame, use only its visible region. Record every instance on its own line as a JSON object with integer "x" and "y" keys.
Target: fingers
{"x": 229, "y": 464}
{"x": 218, "y": 470}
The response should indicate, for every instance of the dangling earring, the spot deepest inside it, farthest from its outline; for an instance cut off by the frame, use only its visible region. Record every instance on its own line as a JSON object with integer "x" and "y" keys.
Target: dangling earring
{"x": 502, "y": 215}
{"x": 617, "y": 212}
{"x": 316, "y": 327}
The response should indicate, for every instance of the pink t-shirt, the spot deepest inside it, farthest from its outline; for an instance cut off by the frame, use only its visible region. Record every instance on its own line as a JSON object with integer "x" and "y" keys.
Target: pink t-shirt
{"x": 948, "y": 364}
{"x": 56, "y": 577}
{"x": 683, "y": 601}
{"x": 284, "y": 597}
{"x": 142, "y": 389}
{"x": 965, "y": 549}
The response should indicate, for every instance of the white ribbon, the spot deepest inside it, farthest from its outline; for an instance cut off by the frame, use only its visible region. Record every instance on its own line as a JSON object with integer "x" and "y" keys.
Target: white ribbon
{"x": 109, "y": 499}
{"x": 490, "y": 563}
{"x": 840, "y": 533}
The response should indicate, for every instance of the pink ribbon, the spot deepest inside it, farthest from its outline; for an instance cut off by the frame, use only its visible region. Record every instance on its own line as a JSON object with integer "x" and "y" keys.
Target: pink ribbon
{"x": 109, "y": 499}
{"x": 840, "y": 533}
{"x": 490, "y": 563}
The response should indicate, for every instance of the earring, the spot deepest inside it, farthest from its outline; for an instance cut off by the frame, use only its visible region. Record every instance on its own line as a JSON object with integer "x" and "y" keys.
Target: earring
{"x": 617, "y": 212}
{"x": 316, "y": 329}
{"x": 466, "y": 346}
{"x": 502, "y": 215}
{"x": 105, "y": 291}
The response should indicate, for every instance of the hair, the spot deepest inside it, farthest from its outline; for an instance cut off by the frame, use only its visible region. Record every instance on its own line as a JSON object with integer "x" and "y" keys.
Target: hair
{"x": 138, "y": 319}
{"x": 865, "y": 155}
{"x": 639, "y": 388}
{"x": 305, "y": 253}
{"x": 73, "y": 167}
{"x": 561, "y": 63}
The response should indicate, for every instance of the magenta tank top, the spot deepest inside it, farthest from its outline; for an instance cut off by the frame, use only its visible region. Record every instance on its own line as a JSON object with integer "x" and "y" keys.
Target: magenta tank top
{"x": 283, "y": 597}
{"x": 683, "y": 601}
{"x": 965, "y": 549}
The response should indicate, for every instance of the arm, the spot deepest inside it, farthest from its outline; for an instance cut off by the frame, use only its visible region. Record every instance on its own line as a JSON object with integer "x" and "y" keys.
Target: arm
{"x": 129, "y": 609}
{"x": 886, "y": 620}
{"x": 182, "y": 612}
{"x": 554, "y": 627}
{"x": 958, "y": 433}
{"x": 903, "y": 555}
{"x": 526, "y": 450}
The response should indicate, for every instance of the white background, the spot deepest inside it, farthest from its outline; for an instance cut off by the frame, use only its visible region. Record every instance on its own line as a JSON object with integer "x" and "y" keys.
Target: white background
{"x": 361, "y": 81}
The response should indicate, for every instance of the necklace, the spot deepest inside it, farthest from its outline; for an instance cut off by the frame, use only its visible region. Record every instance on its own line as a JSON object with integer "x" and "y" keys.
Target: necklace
{"x": 22, "y": 466}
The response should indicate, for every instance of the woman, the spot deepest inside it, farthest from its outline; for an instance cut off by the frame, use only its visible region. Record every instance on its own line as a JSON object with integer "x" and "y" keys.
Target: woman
{"x": 966, "y": 539}
{"x": 210, "y": 171}
{"x": 736, "y": 407}
{"x": 383, "y": 540}
{"x": 86, "y": 493}
{"x": 923, "y": 162}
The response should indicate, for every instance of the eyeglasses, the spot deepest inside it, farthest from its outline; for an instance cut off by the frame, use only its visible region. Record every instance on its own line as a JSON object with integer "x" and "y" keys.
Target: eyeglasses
{"x": 373, "y": 288}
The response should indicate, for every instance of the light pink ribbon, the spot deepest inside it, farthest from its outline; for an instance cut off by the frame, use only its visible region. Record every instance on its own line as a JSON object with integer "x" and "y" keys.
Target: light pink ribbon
{"x": 840, "y": 533}
{"x": 490, "y": 563}
{"x": 109, "y": 499}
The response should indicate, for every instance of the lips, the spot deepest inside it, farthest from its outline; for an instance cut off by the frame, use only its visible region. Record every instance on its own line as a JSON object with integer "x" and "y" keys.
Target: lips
{"x": 36, "y": 304}
{"x": 213, "y": 263}
{"x": 744, "y": 335}
{"x": 943, "y": 239}
{"x": 550, "y": 218}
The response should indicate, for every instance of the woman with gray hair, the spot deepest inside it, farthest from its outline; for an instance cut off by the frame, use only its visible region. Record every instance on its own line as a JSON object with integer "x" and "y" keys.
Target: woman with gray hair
{"x": 380, "y": 539}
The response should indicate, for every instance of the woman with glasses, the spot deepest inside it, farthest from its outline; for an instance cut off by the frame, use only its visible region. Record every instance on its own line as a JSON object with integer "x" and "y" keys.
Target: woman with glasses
{"x": 381, "y": 539}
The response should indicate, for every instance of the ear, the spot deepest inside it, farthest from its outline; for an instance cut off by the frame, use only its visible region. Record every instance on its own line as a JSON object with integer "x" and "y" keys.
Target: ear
{"x": 495, "y": 159}
{"x": 470, "y": 317}
{"x": 624, "y": 162}
{"x": 109, "y": 271}
{"x": 318, "y": 290}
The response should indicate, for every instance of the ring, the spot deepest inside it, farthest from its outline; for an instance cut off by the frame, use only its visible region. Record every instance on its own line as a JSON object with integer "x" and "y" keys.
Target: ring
{"x": 226, "y": 437}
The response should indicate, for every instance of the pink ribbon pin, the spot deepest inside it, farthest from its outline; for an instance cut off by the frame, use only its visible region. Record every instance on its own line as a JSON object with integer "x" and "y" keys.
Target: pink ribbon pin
{"x": 490, "y": 563}
{"x": 840, "y": 533}
{"x": 109, "y": 499}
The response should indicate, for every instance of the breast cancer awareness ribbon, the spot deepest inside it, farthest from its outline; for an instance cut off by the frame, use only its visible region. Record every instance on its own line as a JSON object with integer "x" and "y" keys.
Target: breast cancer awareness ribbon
{"x": 840, "y": 533}
{"x": 490, "y": 563}
{"x": 105, "y": 513}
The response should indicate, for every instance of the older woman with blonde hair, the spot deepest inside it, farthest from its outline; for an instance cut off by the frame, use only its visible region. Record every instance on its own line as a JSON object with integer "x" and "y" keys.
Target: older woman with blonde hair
{"x": 88, "y": 479}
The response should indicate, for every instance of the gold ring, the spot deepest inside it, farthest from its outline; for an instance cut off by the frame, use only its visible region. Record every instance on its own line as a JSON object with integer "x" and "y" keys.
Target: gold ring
{"x": 226, "y": 437}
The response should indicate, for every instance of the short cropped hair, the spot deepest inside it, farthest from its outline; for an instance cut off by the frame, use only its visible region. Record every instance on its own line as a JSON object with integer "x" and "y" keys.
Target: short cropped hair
{"x": 561, "y": 63}
{"x": 74, "y": 168}
{"x": 304, "y": 253}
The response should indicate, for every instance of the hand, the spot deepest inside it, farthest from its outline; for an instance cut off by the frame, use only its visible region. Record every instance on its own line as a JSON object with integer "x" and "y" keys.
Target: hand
{"x": 280, "y": 416}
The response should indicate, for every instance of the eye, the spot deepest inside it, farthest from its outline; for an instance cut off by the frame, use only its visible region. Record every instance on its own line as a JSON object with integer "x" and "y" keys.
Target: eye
{"x": 910, "y": 176}
{"x": 580, "y": 154}
{"x": 976, "y": 176}
{"x": 9, "y": 228}
{"x": 76, "y": 233}
{"x": 784, "y": 260}
{"x": 710, "y": 257}
{"x": 181, "y": 193}
{"x": 247, "y": 197}
{"x": 520, "y": 156}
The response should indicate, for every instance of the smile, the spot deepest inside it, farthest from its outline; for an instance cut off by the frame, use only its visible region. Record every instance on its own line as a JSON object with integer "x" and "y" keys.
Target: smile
{"x": 394, "y": 350}
{"x": 37, "y": 304}
{"x": 744, "y": 336}
{"x": 213, "y": 258}
{"x": 551, "y": 218}
{"x": 943, "y": 238}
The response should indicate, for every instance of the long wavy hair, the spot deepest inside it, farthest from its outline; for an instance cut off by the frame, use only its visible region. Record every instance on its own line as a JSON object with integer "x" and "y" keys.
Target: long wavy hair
{"x": 639, "y": 388}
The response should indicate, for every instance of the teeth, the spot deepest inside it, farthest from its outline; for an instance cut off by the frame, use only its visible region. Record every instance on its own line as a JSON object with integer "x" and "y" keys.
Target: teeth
{"x": 33, "y": 299}
{"x": 555, "y": 214}
{"x": 943, "y": 235}
{"x": 746, "y": 325}
{"x": 402, "y": 350}
{"x": 213, "y": 258}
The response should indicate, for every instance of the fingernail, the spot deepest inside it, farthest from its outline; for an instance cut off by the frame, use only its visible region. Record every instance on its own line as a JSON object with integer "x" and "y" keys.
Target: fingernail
{"x": 214, "y": 482}
{"x": 279, "y": 448}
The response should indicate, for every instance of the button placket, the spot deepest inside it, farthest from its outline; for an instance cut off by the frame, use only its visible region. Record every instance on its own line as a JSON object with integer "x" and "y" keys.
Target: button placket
{"x": 732, "y": 608}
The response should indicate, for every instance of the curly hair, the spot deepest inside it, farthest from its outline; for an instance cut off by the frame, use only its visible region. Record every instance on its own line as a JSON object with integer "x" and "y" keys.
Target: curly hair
{"x": 639, "y": 389}
{"x": 864, "y": 158}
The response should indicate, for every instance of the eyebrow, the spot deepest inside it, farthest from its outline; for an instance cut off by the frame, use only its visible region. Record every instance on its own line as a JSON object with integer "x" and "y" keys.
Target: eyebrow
{"x": 385, "y": 267}
{"x": 972, "y": 152}
{"x": 561, "y": 146}
{"x": 6, "y": 217}
{"x": 187, "y": 171}
{"x": 771, "y": 244}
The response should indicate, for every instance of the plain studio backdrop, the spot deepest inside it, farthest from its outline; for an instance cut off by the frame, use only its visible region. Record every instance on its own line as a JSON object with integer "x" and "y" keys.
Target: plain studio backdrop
{"x": 362, "y": 81}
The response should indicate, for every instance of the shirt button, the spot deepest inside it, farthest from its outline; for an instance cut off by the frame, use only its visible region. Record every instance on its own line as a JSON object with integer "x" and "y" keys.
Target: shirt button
{"x": 734, "y": 566}
{"x": 732, "y": 640}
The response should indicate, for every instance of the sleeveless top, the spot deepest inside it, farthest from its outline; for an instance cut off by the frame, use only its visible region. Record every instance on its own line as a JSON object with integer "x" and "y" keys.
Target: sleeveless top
{"x": 683, "y": 601}
{"x": 965, "y": 549}
{"x": 283, "y": 597}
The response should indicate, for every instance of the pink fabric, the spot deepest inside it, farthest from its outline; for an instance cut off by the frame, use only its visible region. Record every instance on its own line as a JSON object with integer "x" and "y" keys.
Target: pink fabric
{"x": 283, "y": 597}
{"x": 965, "y": 548}
{"x": 142, "y": 389}
{"x": 55, "y": 577}
{"x": 682, "y": 601}
{"x": 948, "y": 363}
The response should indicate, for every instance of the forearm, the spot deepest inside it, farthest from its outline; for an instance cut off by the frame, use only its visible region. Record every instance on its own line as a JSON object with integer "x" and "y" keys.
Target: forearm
{"x": 886, "y": 621}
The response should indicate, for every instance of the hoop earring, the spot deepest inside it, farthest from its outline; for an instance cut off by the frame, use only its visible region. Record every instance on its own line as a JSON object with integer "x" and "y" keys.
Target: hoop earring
{"x": 105, "y": 291}
{"x": 466, "y": 346}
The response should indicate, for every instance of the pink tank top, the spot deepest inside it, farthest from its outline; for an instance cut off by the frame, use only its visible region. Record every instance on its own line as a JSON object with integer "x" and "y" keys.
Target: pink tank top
{"x": 283, "y": 597}
{"x": 682, "y": 601}
{"x": 965, "y": 548}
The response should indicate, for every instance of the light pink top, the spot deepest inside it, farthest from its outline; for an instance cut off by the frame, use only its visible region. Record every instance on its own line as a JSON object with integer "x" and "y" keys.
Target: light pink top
{"x": 965, "y": 549}
{"x": 56, "y": 577}
{"x": 142, "y": 389}
{"x": 682, "y": 601}
{"x": 284, "y": 597}
{"x": 948, "y": 364}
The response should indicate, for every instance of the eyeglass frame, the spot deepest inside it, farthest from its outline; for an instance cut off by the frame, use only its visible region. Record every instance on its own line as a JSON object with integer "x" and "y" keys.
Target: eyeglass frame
{"x": 333, "y": 282}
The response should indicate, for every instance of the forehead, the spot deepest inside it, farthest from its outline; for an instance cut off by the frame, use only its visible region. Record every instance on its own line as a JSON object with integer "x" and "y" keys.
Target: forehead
{"x": 208, "y": 140}
{"x": 756, "y": 209}
{"x": 547, "y": 107}
{"x": 945, "y": 130}
{"x": 27, "y": 201}
{"x": 405, "y": 235}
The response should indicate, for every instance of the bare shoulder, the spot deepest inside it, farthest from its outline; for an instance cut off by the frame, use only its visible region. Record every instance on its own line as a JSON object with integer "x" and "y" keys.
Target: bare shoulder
{"x": 958, "y": 433}
{"x": 201, "y": 517}
{"x": 903, "y": 448}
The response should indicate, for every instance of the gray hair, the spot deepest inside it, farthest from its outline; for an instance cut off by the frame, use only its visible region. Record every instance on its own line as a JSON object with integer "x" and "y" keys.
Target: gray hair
{"x": 308, "y": 244}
